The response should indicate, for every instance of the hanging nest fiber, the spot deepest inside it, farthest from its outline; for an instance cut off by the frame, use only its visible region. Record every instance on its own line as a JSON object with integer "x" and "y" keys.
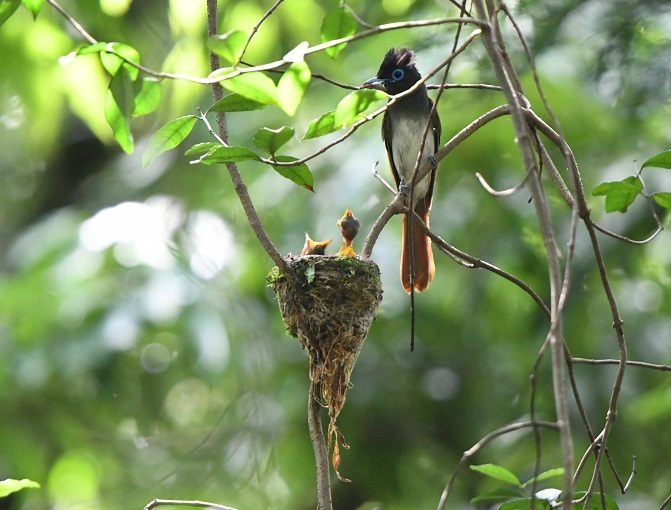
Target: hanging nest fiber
{"x": 329, "y": 306}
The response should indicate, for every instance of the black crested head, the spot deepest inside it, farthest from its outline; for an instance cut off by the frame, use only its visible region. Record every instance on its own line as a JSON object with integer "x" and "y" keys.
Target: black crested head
{"x": 398, "y": 70}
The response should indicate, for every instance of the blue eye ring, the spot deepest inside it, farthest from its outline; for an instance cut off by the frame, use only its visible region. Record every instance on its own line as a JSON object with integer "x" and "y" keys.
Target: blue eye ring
{"x": 397, "y": 75}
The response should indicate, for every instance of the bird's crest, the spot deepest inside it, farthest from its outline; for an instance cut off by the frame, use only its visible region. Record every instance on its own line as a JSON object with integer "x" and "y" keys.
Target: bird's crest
{"x": 397, "y": 57}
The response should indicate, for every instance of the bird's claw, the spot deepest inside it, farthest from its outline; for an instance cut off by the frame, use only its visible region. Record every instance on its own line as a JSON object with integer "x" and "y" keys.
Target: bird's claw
{"x": 433, "y": 161}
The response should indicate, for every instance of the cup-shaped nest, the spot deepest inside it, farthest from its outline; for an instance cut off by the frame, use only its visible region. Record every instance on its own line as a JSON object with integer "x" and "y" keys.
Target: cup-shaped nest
{"x": 329, "y": 306}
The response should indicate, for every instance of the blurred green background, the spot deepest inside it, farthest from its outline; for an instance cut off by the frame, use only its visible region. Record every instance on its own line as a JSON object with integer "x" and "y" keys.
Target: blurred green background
{"x": 142, "y": 355}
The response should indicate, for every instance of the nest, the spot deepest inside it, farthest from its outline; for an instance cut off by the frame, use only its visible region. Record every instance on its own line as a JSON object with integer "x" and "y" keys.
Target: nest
{"x": 329, "y": 307}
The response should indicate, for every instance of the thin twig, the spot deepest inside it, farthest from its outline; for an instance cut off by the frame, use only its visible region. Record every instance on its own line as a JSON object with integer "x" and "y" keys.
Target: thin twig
{"x": 379, "y": 177}
{"x": 594, "y": 445}
{"x": 626, "y": 239}
{"x": 631, "y": 363}
{"x": 480, "y": 444}
{"x": 557, "y": 140}
{"x": 271, "y": 65}
{"x": 371, "y": 116}
{"x": 183, "y": 502}
{"x": 256, "y": 27}
{"x": 533, "y": 378}
{"x": 448, "y": 147}
{"x": 476, "y": 263}
{"x": 73, "y": 22}
{"x": 238, "y": 183}
{"x": 502, "y": 193}
{"x": 357, "y": 17}
{"x": 631, "y": 475}
{"x": 478, "y": 86}
{"x": 319, "y": 447}
{"x": 512, "y": 89}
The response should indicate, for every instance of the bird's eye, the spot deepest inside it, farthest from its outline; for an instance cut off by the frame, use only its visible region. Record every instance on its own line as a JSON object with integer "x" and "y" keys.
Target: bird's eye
{"x": 397, "y": 75}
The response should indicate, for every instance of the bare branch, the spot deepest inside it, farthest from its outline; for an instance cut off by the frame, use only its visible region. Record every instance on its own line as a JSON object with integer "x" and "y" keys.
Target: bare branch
{"x": 379, "y": 177}
{"x": 631, "y": 363}
{"x": 272, "y": 65}
{"x": 183, "y": 502}
{"x": 73, "y": 22}
{"x": 512, "y": 90}
{"x": 503, "y": 193}
{"x": 319, "y": 447}
{"x": 371, "y": 116}
{"x": 389, "y": 211}
{"x": 256, "y": 27}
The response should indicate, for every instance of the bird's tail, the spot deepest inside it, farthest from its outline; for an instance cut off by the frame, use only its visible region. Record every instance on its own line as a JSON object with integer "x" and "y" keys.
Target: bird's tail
{"x": 422, "y": 256}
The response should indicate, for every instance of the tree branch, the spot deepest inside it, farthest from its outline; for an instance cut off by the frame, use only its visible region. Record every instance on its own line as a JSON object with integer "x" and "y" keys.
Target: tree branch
{"x": 512, "y": 90}
{"x": 319, "y": 447}
{"x": 183, "y": 502}
{"x": 236, "y": 178}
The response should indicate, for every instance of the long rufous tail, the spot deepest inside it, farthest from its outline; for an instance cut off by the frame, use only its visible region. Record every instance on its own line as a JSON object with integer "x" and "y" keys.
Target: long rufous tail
{"x": 424, "y": 267}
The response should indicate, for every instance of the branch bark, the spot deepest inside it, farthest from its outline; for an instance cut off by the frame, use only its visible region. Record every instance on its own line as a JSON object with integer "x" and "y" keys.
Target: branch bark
{"x": 238, "y": 183}
{"x": 512, "y": 89}
{"x": 319, "y": 447}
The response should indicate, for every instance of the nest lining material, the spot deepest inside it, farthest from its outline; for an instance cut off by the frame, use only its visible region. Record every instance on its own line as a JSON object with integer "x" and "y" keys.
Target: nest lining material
{"x": 330, "y": 311}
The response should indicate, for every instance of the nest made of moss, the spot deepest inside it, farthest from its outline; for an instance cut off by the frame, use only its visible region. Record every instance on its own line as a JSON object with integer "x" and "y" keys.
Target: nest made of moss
{"x": 329, "y": 305}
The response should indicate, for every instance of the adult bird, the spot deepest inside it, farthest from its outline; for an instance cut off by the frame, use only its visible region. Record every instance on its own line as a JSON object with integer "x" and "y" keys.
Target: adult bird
{"x": 403, "y": 124}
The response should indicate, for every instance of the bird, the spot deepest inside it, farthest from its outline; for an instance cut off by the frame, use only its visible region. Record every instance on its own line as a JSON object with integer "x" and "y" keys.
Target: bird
{"x": 314, "y": 247}
{"x": 403, "y": 124}
{"x": 349, "y": 228}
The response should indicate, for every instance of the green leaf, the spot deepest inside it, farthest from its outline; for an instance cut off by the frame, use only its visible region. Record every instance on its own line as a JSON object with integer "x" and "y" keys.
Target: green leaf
{"x": 147, "y": 96}
{"x": 168, "y": 137}
{"x": 255, "y": 86}
{"x": 497, "y": 495}
{"x": 595, "y": 502}
{"x": 236, "y": 103}
{"x": 270, "y": 140}
{"x": 321, "y": 126}
{"x": 92, "y": 48}
{"x": 349, "y": 108}
{"x": 229, "y": 45}
{"x": 619, "y": 194}
{"x": 661, "y": 160}
{"x": 525, "y": 504}
{"x": 7, "y": 8}
{"x": 34, "y": 6}
{"x": 545, "y": 475}
{"x": 663, "y": 199}
{"x": 112, "y": 62}
{"x": 201, "y": 148}
{"x": 292, "y": 87}
{"x": 337, "y": 24}
{"x": 300, "y": 174}
{"x": 10, "y": 485}
{"x": 498, "y": 473}
{"x": 119, "y": 105}
{"x": 223, "y": 154}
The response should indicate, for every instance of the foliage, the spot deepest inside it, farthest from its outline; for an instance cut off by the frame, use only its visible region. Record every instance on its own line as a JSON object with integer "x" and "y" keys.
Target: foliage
{"x": 621, "y": 194}
{"x": 140, "y": 355}
{"x": 10, "y": 485}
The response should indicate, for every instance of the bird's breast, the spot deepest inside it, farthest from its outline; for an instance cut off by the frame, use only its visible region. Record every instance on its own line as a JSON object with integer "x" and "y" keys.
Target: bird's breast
{"x": 407, "y": 129}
